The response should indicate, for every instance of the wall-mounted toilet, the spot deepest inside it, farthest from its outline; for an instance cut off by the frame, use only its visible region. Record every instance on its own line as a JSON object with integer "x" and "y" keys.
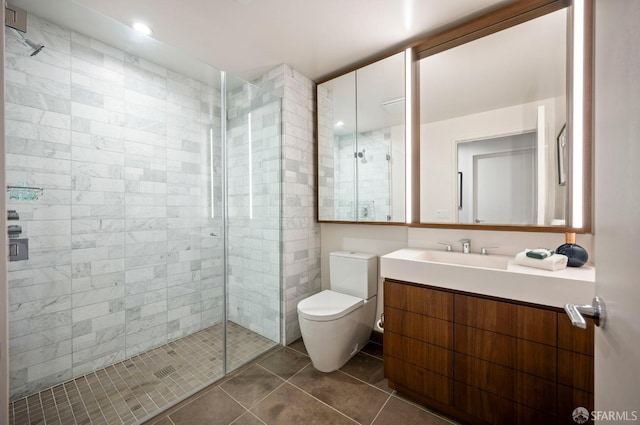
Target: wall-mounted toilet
{"x": 336, "y": 323}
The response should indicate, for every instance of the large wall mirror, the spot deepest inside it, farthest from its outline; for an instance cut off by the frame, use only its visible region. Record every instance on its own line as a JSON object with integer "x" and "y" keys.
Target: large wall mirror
{"x": 492, "y": 112}
{"x": 501, "y": 127}
{"x": 361, "y": 144}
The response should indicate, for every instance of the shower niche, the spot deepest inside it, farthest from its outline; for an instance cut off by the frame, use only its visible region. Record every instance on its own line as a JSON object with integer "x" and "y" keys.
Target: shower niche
{"x": 361, "y": 144}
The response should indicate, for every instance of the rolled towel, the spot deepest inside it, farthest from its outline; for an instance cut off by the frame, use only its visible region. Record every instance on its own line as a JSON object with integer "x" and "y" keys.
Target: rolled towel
{"x": 553, "y": 262}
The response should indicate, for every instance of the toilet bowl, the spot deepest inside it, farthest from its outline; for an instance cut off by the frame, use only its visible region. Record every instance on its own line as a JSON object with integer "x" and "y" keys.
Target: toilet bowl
{"x": 336, "y": 323}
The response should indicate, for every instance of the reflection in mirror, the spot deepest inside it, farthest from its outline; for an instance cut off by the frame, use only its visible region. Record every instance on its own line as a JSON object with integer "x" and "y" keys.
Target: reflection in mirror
{"x": 490, "y": 113}
{"x": 361, "y": 144}
{"x": 336, "y": 101}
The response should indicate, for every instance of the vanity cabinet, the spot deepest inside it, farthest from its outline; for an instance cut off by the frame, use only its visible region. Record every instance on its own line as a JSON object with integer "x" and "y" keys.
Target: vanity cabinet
{"x": 485, "y": 360}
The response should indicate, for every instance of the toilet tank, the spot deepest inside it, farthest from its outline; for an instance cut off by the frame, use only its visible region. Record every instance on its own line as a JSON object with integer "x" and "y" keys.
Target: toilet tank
{"x": 354, "y": 273}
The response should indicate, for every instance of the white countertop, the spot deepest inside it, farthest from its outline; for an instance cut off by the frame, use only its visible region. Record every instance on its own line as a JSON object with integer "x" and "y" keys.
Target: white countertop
{"x": 552, "y": 288}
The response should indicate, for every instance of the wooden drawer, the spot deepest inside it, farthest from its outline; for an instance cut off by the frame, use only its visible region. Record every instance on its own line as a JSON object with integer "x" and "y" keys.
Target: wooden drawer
{"x": 575, "y": 370}
{"x": 418, "y": 353}
{"x": 523, "y": 388}
{"x": 530, "y": 323}
{"x": 430, "y": 384}
{"x": 526, "y": 356}
{"x": 568, "y": 399}
{"x": 489, "y": 408}
{"x": 575, "y": 339}
{"x": 417, "y": 299}
{"x": 424, "y": 328}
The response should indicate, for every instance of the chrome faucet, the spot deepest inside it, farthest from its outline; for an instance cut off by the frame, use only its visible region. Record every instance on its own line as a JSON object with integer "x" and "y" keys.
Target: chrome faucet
{"x": 466, "y": 245}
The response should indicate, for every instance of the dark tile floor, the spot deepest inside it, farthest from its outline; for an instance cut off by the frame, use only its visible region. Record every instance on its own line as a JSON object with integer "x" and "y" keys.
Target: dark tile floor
{"x": 129, "y": 391}
{"x": 283, "y": 388}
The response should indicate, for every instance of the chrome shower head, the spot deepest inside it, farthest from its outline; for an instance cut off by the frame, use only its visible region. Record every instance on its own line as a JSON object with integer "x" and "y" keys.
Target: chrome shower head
{"x": 35, "y": 47}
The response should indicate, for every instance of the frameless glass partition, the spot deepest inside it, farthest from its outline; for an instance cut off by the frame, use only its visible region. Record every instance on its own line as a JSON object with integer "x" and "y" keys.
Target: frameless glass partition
{"x": 253, "y": 163}
{"x": 148, "y": 186}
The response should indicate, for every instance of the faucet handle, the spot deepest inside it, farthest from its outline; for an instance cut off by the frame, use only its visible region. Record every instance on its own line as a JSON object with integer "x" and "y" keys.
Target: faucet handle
{"x": 483, "y": 250}
{"x": 447, "y": 246}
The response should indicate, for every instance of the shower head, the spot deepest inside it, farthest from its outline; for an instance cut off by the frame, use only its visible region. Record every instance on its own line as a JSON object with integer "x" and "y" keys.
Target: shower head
{"x": 361, "y": 155}
{"x": 35, "y": 47}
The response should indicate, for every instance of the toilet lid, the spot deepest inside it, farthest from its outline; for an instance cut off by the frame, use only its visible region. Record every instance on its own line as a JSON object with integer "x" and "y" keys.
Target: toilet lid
{"x": 328, "y": 305}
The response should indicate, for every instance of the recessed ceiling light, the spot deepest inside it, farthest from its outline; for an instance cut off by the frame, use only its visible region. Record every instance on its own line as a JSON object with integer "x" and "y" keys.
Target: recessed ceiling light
{"x": 142, "y": 28}
{"x": 339, "y": 123}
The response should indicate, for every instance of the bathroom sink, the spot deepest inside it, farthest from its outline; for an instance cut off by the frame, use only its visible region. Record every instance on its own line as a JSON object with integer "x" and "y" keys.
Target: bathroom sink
{"x": 457, "y": 258}
{"x": 492, "y": 275}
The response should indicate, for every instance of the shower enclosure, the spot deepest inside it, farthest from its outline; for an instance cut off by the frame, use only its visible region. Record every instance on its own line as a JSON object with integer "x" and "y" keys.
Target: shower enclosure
{"x": 363, "y": 179}
{"x": 148, "y": 187}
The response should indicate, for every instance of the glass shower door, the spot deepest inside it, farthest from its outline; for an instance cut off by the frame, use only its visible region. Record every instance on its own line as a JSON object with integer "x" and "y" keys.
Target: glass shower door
{"x": 253, "y": 226}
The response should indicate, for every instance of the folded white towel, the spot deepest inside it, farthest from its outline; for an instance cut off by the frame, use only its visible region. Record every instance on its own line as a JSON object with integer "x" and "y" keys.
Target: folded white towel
{"x": 553, "y": 262}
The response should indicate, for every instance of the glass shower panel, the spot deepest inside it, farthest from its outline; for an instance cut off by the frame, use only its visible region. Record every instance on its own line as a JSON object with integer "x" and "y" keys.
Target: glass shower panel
{"x": 253, "y": 188}
{"x": 374, "y": 176}
{"x": 126, "y": 251}
{"x": 149, "y": 206}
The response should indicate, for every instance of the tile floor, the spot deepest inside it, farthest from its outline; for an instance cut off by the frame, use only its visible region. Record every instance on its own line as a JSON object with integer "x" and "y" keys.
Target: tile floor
{"x": 136, "y": 388}
{"x": 283, "y": 388}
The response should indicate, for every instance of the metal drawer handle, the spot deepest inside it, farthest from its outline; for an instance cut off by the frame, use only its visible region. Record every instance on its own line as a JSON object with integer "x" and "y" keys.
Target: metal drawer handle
{"x": 596, "y": 310}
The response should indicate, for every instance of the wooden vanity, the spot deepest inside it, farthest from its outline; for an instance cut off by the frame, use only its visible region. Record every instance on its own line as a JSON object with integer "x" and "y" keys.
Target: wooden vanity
{"x": 486, "y": 360}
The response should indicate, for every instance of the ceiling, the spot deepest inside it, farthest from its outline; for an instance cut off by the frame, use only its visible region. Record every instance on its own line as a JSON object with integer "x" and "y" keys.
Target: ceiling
{"x": 250, "y": 37}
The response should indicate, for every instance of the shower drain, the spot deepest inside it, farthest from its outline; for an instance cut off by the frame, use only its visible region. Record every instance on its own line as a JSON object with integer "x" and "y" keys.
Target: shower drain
{"x": 164, "y": 372}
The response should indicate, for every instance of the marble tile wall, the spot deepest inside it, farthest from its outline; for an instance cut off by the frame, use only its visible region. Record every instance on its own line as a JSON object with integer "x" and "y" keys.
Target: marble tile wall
{"x": 124, "y": 254}
{"x": 371, "y": 200}
{"x": 300, "y": 230}
{"x": 326, "y": 163}
{"x": 374, "y": 175}
{"x": 254, "y": 208}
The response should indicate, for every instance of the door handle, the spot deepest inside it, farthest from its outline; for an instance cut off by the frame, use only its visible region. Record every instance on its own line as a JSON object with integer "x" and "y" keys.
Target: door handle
{"x": 596, "y": 310}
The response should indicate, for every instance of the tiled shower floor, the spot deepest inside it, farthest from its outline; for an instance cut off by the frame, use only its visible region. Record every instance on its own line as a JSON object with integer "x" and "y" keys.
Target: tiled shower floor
{"x": 126, "y": 392}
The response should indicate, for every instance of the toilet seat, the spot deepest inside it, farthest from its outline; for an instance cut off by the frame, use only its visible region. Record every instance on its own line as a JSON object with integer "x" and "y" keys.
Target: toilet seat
{"x": 328, "y": 305}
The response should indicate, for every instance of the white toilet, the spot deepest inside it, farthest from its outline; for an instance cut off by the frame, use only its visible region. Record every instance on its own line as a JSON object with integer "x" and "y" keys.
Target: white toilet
{"x": 336, "y": 323}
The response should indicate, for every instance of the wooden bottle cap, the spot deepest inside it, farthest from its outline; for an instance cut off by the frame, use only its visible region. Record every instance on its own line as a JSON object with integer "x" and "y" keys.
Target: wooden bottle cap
{"x": 570, "y": 238}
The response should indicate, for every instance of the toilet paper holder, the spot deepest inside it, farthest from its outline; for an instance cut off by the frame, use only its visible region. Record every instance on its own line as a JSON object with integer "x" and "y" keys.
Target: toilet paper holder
{"x": 380, "y": 321}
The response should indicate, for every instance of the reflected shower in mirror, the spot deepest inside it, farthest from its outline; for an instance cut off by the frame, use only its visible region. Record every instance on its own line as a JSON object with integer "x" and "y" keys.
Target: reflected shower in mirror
{"x": 490, "y": 112}
{"x": 361, "y": 144}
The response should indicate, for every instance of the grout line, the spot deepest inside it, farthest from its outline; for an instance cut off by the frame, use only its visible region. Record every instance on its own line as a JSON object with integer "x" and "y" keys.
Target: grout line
{"x": 261, "y": 399}
{"x": 95, "y": 401}
{"x": 424, "y": 409}
{"x": 64, "y": 387}
{"x": 382, "y": 408}
{"x": 250, "y": 413}
{"x": 328, "y": 405}
{"x": 363, "y": 381}
{"x": 314, "y": 397}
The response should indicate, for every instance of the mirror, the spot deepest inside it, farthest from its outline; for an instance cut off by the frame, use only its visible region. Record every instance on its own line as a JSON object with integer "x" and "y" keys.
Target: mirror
{"x": 491, "y": 113}
{"x": 361, "y": 144}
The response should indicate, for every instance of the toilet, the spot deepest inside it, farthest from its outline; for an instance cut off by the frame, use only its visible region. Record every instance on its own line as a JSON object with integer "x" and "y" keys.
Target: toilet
{"x": 336, "y": 323}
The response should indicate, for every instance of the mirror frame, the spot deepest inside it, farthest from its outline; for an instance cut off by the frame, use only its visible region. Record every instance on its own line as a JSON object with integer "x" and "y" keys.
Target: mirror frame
{"x": 499, "y": 19}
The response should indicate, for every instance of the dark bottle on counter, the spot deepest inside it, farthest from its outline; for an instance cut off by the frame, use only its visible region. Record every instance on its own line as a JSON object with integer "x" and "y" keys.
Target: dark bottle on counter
{"x": 577, "y": 254}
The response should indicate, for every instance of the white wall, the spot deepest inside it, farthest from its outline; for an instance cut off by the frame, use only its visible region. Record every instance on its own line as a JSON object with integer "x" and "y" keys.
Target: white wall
{"x": 438, "y": 150}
